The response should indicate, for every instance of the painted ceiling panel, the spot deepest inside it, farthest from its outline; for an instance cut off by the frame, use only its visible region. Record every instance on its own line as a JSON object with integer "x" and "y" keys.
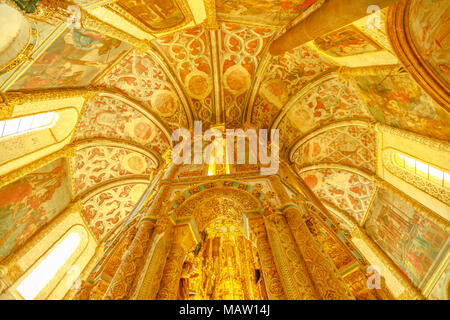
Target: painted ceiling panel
{"x": 350, "y": 145}
{"x": 107, "y": 210}
{"x": 429, "y": 31}
{"x": 348, "y": 41}
{"x": 328, "y": 102}
{"x": 189, "y": 54}
{"x": 274, "y": 13}
{"x": 105, "y": 117}
{"x": 400, "y": 102}
{"x": 74, "y": 59}
{"x": 95, "y": 165}
{"x": 284, "y": 77}
{"x": 242, "y": 50}
{"x": 346, "y": 190}
{"x": 139, "y": 76}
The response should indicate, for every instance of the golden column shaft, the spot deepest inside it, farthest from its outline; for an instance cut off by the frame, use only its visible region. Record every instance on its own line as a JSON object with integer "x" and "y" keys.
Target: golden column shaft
{"x": 124, "y": 280}
{"x": 327, "y": 280}
{"x": 182, "y": 242}
{"x": 272, "y": 281}
{"x": 291, "y": 266}
{"x": 149, "y": 282}
{"x": 322, "y": 271}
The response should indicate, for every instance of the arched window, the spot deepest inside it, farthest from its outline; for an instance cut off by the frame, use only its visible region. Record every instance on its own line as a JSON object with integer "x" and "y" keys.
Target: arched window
{"x": 50, "y": 275}
{"x": 47, "y": 268}
{"x": 423, "y": 170}
{"x": 27, "y": 124}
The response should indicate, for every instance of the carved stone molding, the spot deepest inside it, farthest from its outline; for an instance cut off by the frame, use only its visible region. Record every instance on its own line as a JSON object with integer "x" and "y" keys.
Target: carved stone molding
{"x": 439, "y": 192}
{"x": 399, "y": 33}
{"x": 420, "y": 139}
{"x": 348, "y": 73}
{"x": 15, "y": 98}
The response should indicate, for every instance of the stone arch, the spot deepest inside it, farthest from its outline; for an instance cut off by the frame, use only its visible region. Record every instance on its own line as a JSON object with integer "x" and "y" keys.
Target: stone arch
{"x": 241, "y": 197}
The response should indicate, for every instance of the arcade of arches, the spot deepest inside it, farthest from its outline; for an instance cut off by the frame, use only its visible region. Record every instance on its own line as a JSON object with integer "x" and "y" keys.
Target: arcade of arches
{"x": 93, "y": 207}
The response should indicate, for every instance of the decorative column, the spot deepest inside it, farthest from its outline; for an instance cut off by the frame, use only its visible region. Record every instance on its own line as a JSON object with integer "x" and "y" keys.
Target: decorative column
{"x": 95, "y": 286}
{"x": 244, "y": 252}
{"x": 327, "y": 279}
{"x": 272, "y": 281}
{"x": 124, "y": 280}
{"x": 150, "y": 279}
{"x": 324, "y": 274}
{"x": 290, "y": 264}
{"x": 183, "y": 240}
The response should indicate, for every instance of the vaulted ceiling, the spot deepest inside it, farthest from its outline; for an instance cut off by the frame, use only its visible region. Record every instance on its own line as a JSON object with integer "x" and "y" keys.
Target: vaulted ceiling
{"x": 221, "y": 72}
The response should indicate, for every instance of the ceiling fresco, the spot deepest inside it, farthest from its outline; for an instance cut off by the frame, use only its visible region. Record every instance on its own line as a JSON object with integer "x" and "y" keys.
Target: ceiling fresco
{"x": 349, "y": 145}
{"x": 224, "y": 75}
{"x": 95, "y": 165}
{"x": 107, "y": 210}
{"x": 330, "y": 101}
{"x": 74, "y": 59}
{"x": 429, "y": 31}
{"x": 156, "y": 15}
{"x": 284, "y": 77}
{"x": 106, "y": 117}
{"x": 346, "y": 190}
{"x": 400, "y": 102}
{"x": 189, "y": 53}
{"x": 348, "y": 41}
{"x": 142, "y": 78}
{"x": 273, "y": 13}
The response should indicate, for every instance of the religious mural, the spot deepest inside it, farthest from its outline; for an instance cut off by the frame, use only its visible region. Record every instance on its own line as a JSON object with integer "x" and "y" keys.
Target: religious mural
{"x": 429, "y": 30}
{"x": 400, "y": 102}
{"x": 411, "y": 239}
{"x": 275, "y": 13}
{"x": 30, "y": 202}
{"x": 347, "y": 41}
{"x": 155, "y": 14}
{"x": 73, "y": 60}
